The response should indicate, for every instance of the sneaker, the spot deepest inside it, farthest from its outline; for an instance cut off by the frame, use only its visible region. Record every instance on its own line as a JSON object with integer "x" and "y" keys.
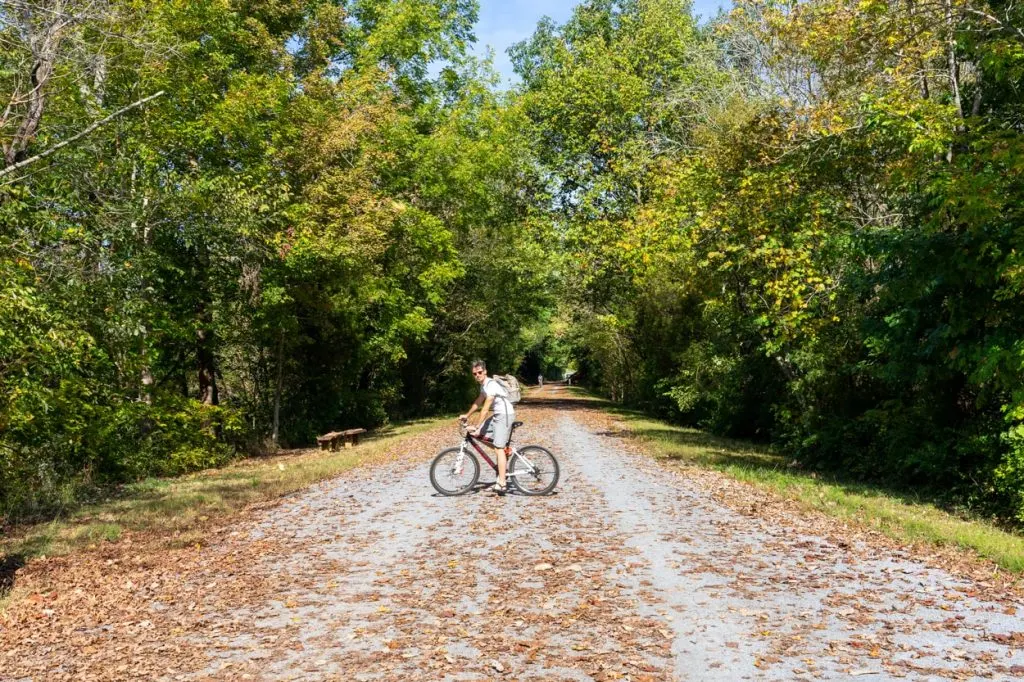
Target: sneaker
{"x": 500, "y": 490}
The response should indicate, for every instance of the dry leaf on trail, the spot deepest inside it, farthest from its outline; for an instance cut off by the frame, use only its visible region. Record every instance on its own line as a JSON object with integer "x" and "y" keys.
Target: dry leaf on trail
{"x": 543, "y": 567}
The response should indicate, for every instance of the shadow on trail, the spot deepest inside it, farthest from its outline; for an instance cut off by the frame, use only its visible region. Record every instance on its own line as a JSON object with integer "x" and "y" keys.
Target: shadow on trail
{"x": 561, "y": 397}
{"x": 689, "y": 446}
{"x": 486, "y": 486}
{"x": 566, "y": 403}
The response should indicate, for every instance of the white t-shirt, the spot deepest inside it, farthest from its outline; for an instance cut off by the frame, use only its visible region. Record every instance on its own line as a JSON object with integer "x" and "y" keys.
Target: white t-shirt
{"x": 501, "y": 404}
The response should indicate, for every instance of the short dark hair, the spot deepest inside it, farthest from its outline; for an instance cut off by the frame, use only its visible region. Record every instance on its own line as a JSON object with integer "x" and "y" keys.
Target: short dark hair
{"x": 479, "y": 363}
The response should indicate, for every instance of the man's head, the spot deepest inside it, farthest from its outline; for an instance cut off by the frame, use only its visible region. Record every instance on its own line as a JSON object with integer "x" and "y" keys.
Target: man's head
{"x": 480, "y": 371}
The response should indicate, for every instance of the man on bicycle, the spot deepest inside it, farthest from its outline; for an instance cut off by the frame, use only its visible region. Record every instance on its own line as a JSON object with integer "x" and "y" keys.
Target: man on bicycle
{"x": 498, "y": 426}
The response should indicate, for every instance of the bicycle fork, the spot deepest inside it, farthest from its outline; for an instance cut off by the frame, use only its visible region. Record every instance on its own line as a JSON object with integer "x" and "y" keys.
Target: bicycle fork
{"x": 457, "y": 468}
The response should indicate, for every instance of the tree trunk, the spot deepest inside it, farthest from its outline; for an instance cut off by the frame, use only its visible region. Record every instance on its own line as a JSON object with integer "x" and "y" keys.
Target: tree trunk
{"x": 954, "y": 67}
{"x": 954, "y": 73}
{"x": 277, "y": 390}
{"x": 205, "y": 357}
{"x": 44, "y": 41}
{"x": 181, "y": 375}
{"x": 146, "y": 380}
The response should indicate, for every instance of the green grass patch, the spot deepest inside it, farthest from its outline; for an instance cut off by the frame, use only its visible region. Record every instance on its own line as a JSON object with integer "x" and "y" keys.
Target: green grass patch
{"x": 898, "y": 514}
{"x": 180, "y": 509}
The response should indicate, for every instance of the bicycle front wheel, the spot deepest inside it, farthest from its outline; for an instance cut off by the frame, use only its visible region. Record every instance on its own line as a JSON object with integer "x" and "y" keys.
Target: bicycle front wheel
{"x": 454, "y": 472}
{"x": 533, "y": 470}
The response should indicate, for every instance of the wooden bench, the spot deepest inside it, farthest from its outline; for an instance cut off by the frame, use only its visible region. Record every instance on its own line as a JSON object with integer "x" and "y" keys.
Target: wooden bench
{"x": 330, "y": 440}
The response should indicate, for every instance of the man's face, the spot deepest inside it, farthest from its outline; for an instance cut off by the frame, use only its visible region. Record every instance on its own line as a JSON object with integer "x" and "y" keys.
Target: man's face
{"x": 480, "y": 374}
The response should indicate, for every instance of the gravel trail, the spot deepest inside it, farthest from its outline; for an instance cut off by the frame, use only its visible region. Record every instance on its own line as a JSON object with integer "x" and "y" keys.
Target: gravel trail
{"x": 630, "y": 571}
{"x": 753, "y": 600}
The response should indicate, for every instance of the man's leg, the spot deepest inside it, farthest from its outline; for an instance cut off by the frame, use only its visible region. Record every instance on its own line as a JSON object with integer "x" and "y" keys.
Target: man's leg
{"x": 502, "y": 433}
{"x": 502, "y": 465}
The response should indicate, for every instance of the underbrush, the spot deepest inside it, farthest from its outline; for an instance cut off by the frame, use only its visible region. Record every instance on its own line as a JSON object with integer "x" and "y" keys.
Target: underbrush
{"x": 49, "y": 467}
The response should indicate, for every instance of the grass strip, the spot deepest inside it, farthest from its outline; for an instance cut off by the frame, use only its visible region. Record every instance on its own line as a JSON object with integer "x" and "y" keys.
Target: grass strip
{"x": 181, "y": 509}
{"x": 898, "y": 514}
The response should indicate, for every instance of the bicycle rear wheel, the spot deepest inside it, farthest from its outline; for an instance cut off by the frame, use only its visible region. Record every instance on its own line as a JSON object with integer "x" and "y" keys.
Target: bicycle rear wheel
{"x": 533, "y": 470}
{"x": 454, "y": 472}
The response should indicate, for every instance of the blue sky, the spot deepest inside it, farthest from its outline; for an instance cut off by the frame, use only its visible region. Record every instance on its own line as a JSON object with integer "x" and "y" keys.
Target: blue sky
{"x": 503, "y": 22}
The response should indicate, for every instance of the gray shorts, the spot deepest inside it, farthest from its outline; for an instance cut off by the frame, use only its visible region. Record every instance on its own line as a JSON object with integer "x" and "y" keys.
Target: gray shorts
{"x": 498, "y": 427}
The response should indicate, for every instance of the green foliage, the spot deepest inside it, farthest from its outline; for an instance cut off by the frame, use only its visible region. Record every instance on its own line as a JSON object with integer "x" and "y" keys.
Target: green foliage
{"x": 308, "y": 232}
{"x": 1008, "y": 476}
{"x": 799, "y": 224}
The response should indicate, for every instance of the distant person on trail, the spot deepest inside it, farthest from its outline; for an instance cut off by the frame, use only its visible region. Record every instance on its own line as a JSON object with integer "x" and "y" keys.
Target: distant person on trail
{"x": 498, "y": 426}
{"x": 540, "y": 380}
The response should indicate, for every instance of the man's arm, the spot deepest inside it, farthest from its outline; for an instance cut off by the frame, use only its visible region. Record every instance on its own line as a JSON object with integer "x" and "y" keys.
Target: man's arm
{"x": 473, "y": 408}
{"x": 483, "y": 412}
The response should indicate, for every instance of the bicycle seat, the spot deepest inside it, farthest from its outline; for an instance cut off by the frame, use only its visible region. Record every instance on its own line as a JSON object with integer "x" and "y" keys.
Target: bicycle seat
{"x": 516, "y": 425}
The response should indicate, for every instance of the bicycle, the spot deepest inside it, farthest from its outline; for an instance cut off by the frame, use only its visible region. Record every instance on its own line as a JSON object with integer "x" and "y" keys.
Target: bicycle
{"x": 532, "y": 470}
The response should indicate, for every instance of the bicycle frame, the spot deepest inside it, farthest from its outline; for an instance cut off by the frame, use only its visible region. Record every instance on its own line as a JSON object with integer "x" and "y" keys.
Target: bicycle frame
{"x": 475, "y": 442}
